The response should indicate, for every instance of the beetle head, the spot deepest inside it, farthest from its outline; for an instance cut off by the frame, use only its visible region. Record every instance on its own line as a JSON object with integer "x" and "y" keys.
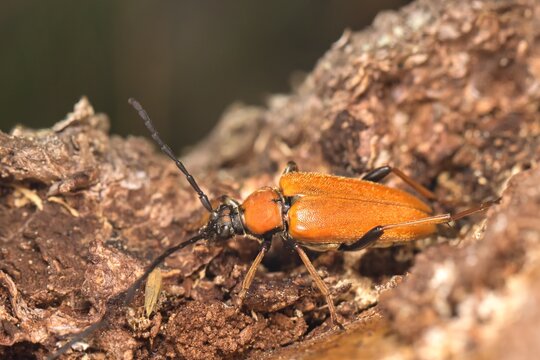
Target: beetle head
{"x": 225, "y": 221}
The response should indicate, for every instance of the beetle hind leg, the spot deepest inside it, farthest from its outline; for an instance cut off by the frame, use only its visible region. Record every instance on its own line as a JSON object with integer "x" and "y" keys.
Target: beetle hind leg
{"x": 370, "y": 237}
{"x": 377, "y": 174}
{"x": 364, "y": 241}
{"x": 380, "y": 173}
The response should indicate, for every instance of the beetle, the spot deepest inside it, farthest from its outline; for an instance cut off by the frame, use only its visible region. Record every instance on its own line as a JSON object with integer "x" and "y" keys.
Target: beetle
{"x": 308, "y": 210}
{"x": 315, "y": 211}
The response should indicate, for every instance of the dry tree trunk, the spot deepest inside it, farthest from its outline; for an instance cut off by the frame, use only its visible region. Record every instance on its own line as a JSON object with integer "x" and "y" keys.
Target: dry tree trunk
{"x": 447, "y": 91}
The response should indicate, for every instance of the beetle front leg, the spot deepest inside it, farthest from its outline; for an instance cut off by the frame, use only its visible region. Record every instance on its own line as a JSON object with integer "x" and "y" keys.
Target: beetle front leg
{"x": 250, "y": 275}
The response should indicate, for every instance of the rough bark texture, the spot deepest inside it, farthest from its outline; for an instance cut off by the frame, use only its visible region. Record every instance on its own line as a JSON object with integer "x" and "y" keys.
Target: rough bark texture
{"x": 447, "y": 91}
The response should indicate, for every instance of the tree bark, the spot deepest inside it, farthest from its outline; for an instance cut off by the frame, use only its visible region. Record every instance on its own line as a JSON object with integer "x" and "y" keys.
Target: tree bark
{"x": 447, "y": 91}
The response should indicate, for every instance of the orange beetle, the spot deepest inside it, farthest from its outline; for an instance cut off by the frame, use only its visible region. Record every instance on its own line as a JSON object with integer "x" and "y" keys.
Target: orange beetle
{"x": 312, "y": 210}
{"x": 316, "y": 211}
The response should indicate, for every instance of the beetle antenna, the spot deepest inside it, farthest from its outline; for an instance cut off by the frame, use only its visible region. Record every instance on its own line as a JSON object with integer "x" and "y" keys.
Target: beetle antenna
{"x": 127, "y": 296}
{"x": 167, "y": 150}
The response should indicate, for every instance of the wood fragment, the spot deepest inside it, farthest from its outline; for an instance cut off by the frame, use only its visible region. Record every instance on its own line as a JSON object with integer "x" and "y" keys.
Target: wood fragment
{"x": 152, "y": 291}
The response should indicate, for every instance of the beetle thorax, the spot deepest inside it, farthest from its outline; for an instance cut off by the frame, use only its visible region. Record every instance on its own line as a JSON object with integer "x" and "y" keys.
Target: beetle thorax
{"x": 262, "y": 211}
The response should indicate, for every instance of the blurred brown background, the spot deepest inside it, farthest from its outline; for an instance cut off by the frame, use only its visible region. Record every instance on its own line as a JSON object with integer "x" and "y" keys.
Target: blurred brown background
{"x": 184, "y": 60}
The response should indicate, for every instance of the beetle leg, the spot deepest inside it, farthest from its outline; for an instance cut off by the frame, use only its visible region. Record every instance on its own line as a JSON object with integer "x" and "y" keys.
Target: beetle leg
{"x": 375, "y": 233}
{"x": 380, "y": 173}
{"x": 320, "y": 284}
{"x": 291, "y": 167}
{"x": 444, "y": 218}
{"x": 250, "y": 275}
{"x": 367, "y": 239}
{"x": 377, "y": 174}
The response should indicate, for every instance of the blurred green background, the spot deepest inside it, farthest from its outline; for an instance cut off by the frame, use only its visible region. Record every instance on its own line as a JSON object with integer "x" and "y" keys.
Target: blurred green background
{"x": 184, "y": 60}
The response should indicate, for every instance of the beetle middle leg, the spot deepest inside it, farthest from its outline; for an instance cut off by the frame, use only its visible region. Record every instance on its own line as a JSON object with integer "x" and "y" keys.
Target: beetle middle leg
{"x": 250, "y": 275}
{"x": 380, "y": 173}
{"x": 318, "y": 281}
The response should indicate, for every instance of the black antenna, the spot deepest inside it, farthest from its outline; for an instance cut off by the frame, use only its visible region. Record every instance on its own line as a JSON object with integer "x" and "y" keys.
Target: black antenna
{"x": 127, "y": 296}
{"x": 167, "y": 150}
{"x": 130, "y": 292}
